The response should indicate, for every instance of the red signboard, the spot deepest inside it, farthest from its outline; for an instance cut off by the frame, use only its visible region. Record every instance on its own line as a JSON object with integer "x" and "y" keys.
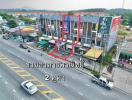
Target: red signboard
{"x": 115, "y": 23}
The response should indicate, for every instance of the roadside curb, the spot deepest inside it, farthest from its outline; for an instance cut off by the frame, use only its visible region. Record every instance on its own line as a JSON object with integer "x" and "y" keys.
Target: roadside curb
{"x": 83, "y": 71}
{"x": 123, "y": 91}
{"x": 78, "y": 69}
{"x": 41, "y": 52}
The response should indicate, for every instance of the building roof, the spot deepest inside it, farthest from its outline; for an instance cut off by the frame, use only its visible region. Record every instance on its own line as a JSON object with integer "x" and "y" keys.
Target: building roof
{"x": 42, "y": 42}
{"x": 1, "y": 18}
{"x": 93, "y": 19}
{"x": 126, "y": 47}
{"x": 27, "y": 29}
{"x": 93, "y": 53}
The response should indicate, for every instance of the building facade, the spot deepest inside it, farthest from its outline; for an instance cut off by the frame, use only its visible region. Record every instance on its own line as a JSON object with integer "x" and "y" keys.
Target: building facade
{"x": 87, "y": 31}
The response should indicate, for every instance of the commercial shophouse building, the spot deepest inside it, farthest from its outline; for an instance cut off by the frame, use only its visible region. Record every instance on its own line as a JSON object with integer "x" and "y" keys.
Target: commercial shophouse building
{"x": 91, "y": 34}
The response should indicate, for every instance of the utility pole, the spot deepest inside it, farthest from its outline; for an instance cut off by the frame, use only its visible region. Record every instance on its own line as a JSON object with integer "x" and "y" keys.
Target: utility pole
{"x": 119, "y": 45}
{"x": 123, "y": 3}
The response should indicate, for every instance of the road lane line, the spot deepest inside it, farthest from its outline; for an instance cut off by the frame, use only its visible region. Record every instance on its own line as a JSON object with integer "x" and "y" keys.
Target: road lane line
{"x": 32, "y": 80}
{"x": 15, "y": 67}
{"x": 14, "y": 90}
{"x": 46, "y": 93}
{"x": 6, "y": 82}
{"x": 20, "y": 71}
{"x": 0, "y": 76}
{"x": 66, "y": 84}
{"x": 1, "y": 58}
{"x": 80, "y": 93}
{"x": 10, "y": 64}
{"x": 23, "y": 72}
{"x": 40, "y": 85}
{"x": 25, "y": 75}
{"x": 58, "y": 99}
{"x": 87, "y": 85}
{"x": 7, "y": 61}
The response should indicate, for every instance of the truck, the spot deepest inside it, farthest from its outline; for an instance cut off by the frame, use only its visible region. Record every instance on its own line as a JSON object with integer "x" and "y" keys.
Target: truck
{"x": 103, "y": 81}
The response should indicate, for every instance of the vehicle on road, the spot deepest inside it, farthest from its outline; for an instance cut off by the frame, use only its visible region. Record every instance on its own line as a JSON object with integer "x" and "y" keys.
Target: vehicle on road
{"x": 29, "y": 87}
{"x": 102, "y": 81}
{"x": 24, "y": 46}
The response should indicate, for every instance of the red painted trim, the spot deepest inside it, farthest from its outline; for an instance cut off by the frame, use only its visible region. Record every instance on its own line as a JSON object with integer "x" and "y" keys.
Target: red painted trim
{"x": 63, "y": 27}
{"x": 52, "y": 53}
{"x": 78, "y": 29}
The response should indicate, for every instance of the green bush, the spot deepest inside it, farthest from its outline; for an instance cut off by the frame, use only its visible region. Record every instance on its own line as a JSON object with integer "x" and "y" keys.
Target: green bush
{"x": 122, "y": 33}
{"x": 95, "y": 73}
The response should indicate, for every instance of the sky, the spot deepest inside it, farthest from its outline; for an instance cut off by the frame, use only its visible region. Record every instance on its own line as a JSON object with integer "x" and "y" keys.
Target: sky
{"x": 65, "y": 4}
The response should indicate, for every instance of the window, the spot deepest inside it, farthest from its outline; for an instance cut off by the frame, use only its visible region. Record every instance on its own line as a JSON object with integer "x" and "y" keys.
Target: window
{"x": 94, "y": 27}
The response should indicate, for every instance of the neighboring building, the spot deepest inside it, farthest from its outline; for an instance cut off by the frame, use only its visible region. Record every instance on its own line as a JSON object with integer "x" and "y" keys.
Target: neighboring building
{"x": 125, "y": 57}
{"x": 86, "y": 32}
{"x": 1, "y": 20}
{"x": 21, "y": 23}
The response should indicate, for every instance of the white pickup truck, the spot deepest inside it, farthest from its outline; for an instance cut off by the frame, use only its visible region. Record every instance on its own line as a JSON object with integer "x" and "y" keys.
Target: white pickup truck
{"x": 102, "y": 81}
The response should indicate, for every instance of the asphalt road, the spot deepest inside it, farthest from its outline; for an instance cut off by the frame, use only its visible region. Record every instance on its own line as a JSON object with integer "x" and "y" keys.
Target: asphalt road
{"x": 77, "y": 85}
{"x": 10, "y": 88}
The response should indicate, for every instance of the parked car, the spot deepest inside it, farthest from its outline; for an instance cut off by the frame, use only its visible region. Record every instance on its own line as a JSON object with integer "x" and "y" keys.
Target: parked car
{"x": 24, "y": 46}
{"x": 29, "y": 87}
{"x": 5, "y": 37}
{"x": 102, "y": 81}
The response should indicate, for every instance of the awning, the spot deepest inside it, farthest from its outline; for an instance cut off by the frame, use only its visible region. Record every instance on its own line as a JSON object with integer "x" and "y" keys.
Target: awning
{"x": 33, "y": 34}
{"x": 83, "y": 48}
{"x": 44, "y": 38}
{"x": 45, "y": 35}
{"x": 42, "y": 42}
{"x": 52, "y": 41}
{"x": 127, "y": 54}
{"x": 93, "y": 53}
{"x": 69, "y": 46}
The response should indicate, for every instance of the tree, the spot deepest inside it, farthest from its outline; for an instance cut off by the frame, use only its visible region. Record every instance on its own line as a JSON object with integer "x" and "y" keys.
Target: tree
{"x": 7, "y": 16}
{"x": 12, "y": 23}
{"x": 130, "y": 20}
{"x": 70, "y": 12}
{"x": 26, "y": 20}
{"x": 122, "y": 33}
{"x": 106, "y": 59}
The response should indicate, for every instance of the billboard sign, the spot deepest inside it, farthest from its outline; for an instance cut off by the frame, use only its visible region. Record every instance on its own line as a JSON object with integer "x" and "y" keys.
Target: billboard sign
{"x": 113, "y": 31}
{"x": 115, "y": 24}
{"x": 104, "y": 25}
{"x": 66, "y": 24}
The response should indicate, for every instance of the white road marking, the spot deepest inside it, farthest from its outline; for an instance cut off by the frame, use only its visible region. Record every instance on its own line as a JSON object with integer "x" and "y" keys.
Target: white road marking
{"x": 80, "y": 93}
{"x": 73, "y": 77}
{"x": 14, "y": 90}
{"x": 87, "y": 85}
{"x": 6, "y": 82}
{"x": 66, "y": 84}
{"x": 0, "y": 76}
{"x": 45, "y": 72}
{"x": 104, "y": 94}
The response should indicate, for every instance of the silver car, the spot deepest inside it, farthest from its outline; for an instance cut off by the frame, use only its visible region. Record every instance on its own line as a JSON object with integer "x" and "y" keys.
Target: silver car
{"x": 29, "y": 87}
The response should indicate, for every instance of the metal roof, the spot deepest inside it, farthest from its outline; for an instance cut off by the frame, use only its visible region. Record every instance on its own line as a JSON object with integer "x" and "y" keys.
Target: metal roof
{"x": 92, "y": 19}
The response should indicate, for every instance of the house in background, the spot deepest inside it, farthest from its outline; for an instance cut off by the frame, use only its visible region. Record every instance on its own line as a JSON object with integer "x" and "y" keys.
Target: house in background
{"x": 1, "y": 20}
{"x": 21, "y": 23}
